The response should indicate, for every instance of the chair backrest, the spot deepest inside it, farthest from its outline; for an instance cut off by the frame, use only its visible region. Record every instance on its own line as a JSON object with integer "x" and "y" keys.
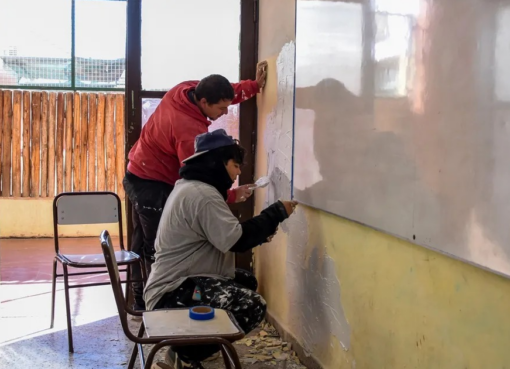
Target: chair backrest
{"x": 113, "y": 271}
{"x": 80, "y": 208}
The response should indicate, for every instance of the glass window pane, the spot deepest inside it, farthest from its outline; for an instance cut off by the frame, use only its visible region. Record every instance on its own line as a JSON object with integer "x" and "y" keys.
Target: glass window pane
{"x": 404, "y": 7}
{"x": 35, "y": 50}
{"x": 148, "y": 107}
{"x": 229, "y": 122}
{"x": 392, "y": 54}
{"x": 100, "y": 43}
{"x": 188, "y": 40}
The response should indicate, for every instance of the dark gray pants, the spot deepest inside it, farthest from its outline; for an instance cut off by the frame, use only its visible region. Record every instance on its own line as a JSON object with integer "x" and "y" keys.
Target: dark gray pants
{"x": 148, "y": 199}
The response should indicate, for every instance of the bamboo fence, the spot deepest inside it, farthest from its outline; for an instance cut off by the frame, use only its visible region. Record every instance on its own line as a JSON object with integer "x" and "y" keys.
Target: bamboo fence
{"x": 53, "y": 142}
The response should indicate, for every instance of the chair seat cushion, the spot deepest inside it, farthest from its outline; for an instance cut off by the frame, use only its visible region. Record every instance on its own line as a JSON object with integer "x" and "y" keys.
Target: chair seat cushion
{"x": 176, "y": 322}
{"x": 97, "y": 260}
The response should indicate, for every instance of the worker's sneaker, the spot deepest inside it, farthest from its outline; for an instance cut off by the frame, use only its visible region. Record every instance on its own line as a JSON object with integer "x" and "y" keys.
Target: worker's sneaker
{"x": 183, "y": 365}
{"x": 213, "y": 357}
{"x": 160, "y": 365}
{"x": 172, "y": 360}
{"x": 194, "y": 365}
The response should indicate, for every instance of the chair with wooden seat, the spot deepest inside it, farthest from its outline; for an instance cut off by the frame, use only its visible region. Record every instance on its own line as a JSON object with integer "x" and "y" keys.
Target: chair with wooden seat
{"x": 82, "y": 208}
{"x": 171, "y": 327}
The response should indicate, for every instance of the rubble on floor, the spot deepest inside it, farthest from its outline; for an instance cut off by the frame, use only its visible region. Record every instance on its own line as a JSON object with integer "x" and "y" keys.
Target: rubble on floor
{"x": 266, "y": 346}
{"x": 261, "y": 349}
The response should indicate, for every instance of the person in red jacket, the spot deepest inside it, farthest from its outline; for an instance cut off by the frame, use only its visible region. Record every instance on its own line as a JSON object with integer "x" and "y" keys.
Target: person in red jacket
{"x": 166, "y": 140}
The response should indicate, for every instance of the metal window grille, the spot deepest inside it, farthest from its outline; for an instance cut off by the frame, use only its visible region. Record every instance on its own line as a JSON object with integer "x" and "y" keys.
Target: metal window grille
{"x": 63, "y": 44}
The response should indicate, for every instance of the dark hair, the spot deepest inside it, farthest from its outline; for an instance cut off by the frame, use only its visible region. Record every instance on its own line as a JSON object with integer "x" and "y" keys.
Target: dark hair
{"x": 235, "y": 152}
{"x": 214, "y": 88}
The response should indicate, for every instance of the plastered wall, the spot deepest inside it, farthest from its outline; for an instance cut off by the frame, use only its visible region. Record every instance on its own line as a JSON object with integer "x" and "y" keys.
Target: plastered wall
{"x": 22, "y": 217}
{"x": 351, "y": 296}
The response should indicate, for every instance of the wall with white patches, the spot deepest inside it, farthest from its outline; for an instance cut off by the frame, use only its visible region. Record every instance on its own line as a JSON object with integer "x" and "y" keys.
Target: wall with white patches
{"x": 351, "y": 296}
{"x": 317, "y": 292}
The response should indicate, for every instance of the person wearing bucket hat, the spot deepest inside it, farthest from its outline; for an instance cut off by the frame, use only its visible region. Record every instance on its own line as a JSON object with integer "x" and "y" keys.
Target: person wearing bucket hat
{"x": 198, "y": 237}
{"x": 165, "y": 141}
{"x": 210, "y": 141}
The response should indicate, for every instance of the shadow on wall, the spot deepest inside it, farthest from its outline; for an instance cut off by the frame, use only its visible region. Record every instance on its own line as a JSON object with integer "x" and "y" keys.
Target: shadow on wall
{"x": 341, "y": 119}
{"x": 357, "y": 162}
{"x": 423, "y": 291}
{"x": 362, "y": 186}
{"x": 437, "y": 176}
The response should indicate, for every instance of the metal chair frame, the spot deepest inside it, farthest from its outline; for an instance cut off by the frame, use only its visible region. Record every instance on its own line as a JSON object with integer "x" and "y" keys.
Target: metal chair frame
{"x": 64, "y": 259}
{"x": 230, "y": 357}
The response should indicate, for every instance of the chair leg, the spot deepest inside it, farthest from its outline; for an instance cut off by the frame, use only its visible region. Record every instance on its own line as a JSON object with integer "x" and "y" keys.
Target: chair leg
{"x": 141, "y": 331}
{"x": 53, "y": 292}
{"x": 132, "y": 359}
{"x": 227, "y": 349}
{"x": 137, "y": 348}
{"x": 128, "y": 284}
{"x": 152, "y": 354}
{"x": 68, "y": 309}
{"x": 226, "y": 358}
{"x": 158, "y": 346}
{"x": 143, "y": 363}
{"x": 232, "y": 353}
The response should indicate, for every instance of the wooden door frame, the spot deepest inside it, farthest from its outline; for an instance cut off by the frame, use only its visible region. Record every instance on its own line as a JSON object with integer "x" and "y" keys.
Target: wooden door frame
{"x": 247, "y": 111}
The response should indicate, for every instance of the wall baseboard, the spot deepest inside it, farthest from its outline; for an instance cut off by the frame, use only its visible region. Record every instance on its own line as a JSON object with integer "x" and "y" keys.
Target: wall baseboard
{"x": 307, "y": 360}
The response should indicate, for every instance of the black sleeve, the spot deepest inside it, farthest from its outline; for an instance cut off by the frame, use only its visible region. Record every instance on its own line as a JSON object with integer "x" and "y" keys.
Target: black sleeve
{"x": 259, "y": 228}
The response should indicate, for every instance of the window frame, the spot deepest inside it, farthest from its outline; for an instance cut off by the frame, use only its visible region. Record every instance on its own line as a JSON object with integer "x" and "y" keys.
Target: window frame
{"x": 73, "y": 86}
{"x": 247, "y": 110}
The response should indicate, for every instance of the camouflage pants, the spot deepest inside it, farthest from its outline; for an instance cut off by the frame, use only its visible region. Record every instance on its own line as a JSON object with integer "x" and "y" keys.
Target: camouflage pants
{"x": 235, "y": 295}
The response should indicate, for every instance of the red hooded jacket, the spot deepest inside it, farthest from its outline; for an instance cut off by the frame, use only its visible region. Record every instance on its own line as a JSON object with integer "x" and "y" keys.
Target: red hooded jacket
{"x": 168, "y": 137}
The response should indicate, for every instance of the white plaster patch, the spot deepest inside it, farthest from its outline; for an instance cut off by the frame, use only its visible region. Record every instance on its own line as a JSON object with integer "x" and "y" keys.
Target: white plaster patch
{"x": 314, "y": 291}
{"x": 278, "y": 133}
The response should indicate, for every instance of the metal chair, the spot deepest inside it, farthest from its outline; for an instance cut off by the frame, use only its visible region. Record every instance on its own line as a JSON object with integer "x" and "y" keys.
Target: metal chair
{"x": 167, "y": 327}
{"x": 80, "y": 208}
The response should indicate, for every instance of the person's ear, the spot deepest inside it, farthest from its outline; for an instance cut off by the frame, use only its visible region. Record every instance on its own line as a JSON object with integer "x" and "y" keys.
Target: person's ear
{"x": 203, "y": 101}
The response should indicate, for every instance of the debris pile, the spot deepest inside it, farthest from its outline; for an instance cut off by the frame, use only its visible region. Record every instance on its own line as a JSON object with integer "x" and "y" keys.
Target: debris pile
{"x": 268, "y": 347}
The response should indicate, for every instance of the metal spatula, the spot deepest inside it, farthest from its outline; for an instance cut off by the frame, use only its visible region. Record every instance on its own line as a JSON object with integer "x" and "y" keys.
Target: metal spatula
{"x": 261, "y": 182}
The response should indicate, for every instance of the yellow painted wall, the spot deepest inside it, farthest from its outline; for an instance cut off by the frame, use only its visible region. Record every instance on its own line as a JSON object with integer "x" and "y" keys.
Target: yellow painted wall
{"x": 400, "y": 305}
{"x": 407, "y": 307}
{"x": 21, "y": 217}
